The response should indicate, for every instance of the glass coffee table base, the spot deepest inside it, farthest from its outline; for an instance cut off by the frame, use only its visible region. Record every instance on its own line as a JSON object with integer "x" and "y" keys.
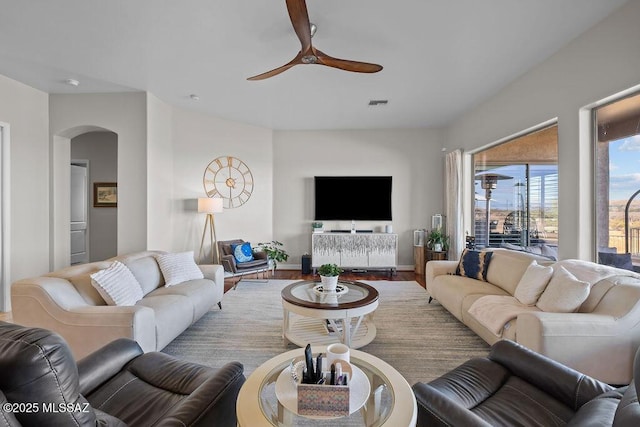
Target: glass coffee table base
{"x": 304, "y": 330}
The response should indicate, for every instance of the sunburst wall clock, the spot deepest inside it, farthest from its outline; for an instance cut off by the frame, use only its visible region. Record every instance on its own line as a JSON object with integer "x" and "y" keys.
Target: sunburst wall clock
{"x": 229, "y": 178}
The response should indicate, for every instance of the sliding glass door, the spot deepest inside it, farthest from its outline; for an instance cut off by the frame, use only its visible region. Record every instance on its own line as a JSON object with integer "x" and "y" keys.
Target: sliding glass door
{"x": 617, "y": 176}
{"x": 516, "y": 192}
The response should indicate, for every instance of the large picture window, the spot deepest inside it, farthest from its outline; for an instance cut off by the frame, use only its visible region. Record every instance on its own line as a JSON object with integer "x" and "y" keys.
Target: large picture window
{"x": 516, "y": 194}
{"x": 617, "y": 174}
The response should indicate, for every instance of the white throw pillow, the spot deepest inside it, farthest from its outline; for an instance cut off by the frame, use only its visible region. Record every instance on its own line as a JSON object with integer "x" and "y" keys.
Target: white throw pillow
{"x": 117, "y": 285}
{"x": 533, "y": 283}
{"x": 178, "y": 267}
{"x": 564, "y": 293}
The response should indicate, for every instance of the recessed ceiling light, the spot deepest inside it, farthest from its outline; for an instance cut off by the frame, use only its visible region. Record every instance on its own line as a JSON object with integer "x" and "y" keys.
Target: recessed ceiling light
{"x": 194, "y": 97}
{"x": 379, "y": 102}
{"x": 72, "y": 82}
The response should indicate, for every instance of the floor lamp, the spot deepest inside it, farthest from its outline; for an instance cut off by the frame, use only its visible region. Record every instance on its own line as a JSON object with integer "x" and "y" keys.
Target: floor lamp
{"x": 210, "y": 206}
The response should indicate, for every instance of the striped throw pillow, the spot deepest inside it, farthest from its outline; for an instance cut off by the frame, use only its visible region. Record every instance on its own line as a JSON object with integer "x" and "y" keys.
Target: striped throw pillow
{"x": 178, "y": 267}
{"x": 474, "y": 264}
{"x": 117, "y": 285}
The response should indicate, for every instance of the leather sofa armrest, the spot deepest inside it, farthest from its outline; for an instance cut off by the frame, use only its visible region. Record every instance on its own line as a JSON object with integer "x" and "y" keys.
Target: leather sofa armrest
{"x": 439, "y": 268}
{"x": 101, "y": 365}
{"x": 212, "y": 403}
{"x": 565, "y": 384}
{"x": 601, "y": 336}
{"x": 229, "y": 263}
{"x": 628, "y": 411}
{"x": 7, "y": 419}
{"x": 436, "y": 409}
{"x": 434, "y": 269}
{"x": 213, "y": 272}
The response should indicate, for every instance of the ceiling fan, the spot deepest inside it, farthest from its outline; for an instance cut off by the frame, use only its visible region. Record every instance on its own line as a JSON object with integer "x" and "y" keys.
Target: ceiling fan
{"x": 309, "y": 54}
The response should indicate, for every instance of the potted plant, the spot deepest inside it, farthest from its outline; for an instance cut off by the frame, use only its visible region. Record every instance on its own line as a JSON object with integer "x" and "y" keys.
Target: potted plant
{"x": 437, "y": 240}
{"x": 329, "y": 276}
{"x": 274, "y": 252}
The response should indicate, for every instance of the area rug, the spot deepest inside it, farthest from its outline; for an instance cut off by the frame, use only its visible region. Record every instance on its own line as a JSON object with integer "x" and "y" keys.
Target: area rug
{"x": 421, "y": 340}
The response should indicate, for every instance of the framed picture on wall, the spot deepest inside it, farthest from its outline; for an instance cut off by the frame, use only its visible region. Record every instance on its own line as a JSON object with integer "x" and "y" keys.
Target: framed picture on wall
{"x": 105, "y": 194}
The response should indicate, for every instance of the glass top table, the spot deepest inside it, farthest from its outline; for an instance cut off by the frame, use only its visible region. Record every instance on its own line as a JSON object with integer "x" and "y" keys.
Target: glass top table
{"x": 317, "y": 317}
{"x": 391, "y": 401}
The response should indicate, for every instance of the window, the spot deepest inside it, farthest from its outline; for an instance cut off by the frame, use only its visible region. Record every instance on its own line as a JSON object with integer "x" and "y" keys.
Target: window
{"x": 617, "y": 175}
{"x": 516, "y": 193}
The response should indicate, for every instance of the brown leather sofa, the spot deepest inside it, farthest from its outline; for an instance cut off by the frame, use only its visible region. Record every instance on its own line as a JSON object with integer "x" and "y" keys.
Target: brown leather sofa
{"x": 515, "y": 386}
{"x": 117, "y": 385}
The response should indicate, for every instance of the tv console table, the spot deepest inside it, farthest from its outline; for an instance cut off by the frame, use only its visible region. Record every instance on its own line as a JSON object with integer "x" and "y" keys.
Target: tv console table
{"x": 355, "y": 250}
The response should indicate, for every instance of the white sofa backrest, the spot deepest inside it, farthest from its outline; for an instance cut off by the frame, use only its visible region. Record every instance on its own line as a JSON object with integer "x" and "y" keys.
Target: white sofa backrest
{"x": 145, "y": 268}
{"x": 591, "y": 272}
{"x": 80, "y": 278}
{"x": 615, "y": 296}
{"x": 507, "y": 267}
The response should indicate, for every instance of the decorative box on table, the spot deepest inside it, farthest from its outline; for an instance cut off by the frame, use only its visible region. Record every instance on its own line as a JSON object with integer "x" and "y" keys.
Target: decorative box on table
{"x": 323, "y": 400}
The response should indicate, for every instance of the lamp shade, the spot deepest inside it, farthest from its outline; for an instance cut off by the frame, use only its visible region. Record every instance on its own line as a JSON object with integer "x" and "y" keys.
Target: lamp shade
{"x": 210, "y": 205}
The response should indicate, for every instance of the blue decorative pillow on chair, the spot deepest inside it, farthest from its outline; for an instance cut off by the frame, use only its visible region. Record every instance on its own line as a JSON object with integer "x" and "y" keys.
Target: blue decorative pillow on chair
{"x": 474, "y": 264}
{"x": 242, "y": 252}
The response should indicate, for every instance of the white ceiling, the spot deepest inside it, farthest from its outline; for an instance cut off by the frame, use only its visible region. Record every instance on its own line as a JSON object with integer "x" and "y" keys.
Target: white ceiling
{"x": 440, "y": 57}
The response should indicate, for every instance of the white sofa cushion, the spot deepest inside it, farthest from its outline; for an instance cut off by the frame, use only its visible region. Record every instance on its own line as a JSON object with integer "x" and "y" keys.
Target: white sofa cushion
{"x": 495, "y": 311}
{"x": 533, "y": 283}
{"x": 507, "y": 268}
{"x": 564, "y": 293}
{"x": 117, "y": 285}
{"x": 178, "y": 267}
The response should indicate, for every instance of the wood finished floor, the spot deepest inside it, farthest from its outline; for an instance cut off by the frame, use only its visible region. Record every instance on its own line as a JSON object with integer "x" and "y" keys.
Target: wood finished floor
{"x": 297, "y": 275}
{"x": 369, "y": 275}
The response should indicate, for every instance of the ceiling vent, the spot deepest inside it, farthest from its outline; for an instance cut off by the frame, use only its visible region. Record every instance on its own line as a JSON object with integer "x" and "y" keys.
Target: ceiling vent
{"x": 378, "y": 102}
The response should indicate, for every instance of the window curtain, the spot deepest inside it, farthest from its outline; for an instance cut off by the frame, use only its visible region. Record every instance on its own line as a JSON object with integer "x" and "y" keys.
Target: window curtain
{"x": 453, "y": 203}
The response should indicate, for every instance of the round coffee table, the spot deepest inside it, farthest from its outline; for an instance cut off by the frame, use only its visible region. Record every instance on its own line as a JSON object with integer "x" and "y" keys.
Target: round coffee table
{"x": 391, "y": 401}
{"x": 323, "y": 318}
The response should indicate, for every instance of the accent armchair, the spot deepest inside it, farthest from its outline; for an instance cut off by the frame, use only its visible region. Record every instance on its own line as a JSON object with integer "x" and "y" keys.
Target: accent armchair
{"x": 117, "y": 385}
{"x": 515, "y": 386}
{"x": 232, "y": 268}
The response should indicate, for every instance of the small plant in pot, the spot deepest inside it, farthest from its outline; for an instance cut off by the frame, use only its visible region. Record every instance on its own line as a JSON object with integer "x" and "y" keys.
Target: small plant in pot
{"x": 437, "y": 240}
{"x": 274, "y": 252}
{"x": 329, "y": 276}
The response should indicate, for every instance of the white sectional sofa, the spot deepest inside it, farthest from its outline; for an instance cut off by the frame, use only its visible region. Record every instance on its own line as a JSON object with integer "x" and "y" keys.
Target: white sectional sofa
{"x": 66, "y": 302}
{"x": 599, "y": 339}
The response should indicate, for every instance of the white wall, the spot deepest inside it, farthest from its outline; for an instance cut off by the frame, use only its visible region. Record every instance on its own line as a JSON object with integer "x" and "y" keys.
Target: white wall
{"x": 602, "y": 62}
{"x": 160, "y": 175}
{"x": 197, "y": 140}
{"x": 412, "y": 157}
{"x": 25, "y": 110}
{"x": 101, "y": 150}
{"x": 126, "y": 115}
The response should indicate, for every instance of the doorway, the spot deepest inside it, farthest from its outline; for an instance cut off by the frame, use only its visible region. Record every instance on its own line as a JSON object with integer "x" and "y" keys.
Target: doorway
{"x": 79, "y": 225}
{"x": 94, "y": 226}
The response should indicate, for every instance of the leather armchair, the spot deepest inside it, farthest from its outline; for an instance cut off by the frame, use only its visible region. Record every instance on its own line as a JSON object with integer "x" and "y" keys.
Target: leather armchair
{"x": 228, "y": 261}
{"x": 515, "y": 386}
{"x": 118, "y": 385}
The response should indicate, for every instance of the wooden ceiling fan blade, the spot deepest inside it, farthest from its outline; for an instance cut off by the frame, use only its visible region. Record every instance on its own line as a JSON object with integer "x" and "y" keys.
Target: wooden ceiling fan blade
{"x": 295, "y": 61}
{"x": 347, "y": 65}
{"x": 300, "y": 21}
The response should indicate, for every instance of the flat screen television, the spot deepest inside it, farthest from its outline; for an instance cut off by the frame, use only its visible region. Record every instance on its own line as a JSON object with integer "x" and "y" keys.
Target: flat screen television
{"x": 362, "y": 198}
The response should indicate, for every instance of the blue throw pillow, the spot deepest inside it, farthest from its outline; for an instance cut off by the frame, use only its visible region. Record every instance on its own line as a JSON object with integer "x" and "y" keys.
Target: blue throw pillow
{"x": 616, "y": 260}
{"x": 474, "y": 264}
{"x": 242, "y": 252}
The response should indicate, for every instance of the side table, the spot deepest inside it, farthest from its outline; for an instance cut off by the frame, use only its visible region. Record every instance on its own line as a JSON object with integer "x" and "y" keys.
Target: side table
{"x": 436, "y": 255}
{"x": 418, "y": 256}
